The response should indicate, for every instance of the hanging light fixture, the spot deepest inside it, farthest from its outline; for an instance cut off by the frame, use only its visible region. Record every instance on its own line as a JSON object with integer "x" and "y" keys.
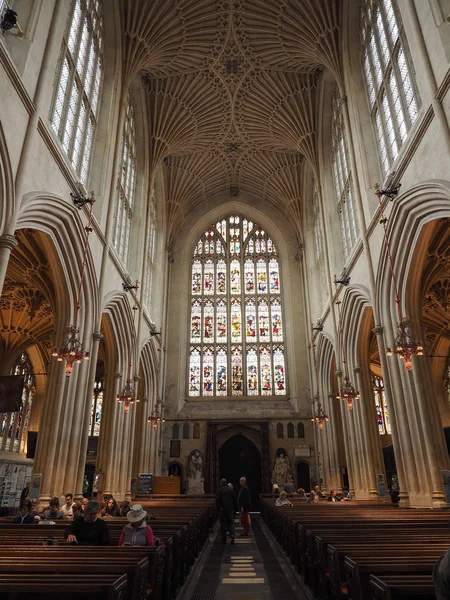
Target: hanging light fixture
{"x": 405, "y": 346}
{"x": 128, "y": 396}
{"x": 348, "y": 392}
{"x": 319, "y": 416}
{"x": 72, "y": 351}
{"x": 156, "y": 416}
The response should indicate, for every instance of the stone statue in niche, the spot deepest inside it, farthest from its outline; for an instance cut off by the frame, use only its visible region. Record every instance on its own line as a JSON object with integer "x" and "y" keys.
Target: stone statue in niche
{"x": 195, "y": 479}
{"x": 282, "y": 468}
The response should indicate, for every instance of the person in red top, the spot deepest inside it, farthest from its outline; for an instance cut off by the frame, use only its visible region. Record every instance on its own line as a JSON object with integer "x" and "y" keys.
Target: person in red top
{"x": 137, "y": 532}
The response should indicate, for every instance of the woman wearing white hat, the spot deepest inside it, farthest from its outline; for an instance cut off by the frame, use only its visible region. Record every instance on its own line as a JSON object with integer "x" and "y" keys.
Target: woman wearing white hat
{"x": 137, "y": 532}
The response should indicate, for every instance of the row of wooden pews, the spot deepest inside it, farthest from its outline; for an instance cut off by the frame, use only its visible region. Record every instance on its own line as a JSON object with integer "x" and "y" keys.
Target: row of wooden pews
{"x": 31, "y": 570}
{"x": 361, "y": 550}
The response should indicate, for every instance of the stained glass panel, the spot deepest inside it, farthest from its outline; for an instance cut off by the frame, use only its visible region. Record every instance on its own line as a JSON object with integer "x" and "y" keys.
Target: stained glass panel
{"x": 278, "y": 370}
{"x": 266, "y": 370}
{"x": 208, "y": 372}
{"x": 221, "y": 320}
{"x": 221, "y": 371}
{"x": 274, "y": 276}
{"x": 235, "y": 277}
{"x": 261, "y": 270}
{"x": 250, "y": 321}
{"x": 208, "y": 322}
{"x": 263, "y": 321}
{"x": 208, "y": 278}
{"x": 277, "y": 326}
{"x": 194, "y": 372}
{"x": 196, "y": 321}
{"x": 221, "y": 277}
{"x": 236, "y": 368}
{"x": 196, "y": 277}
{"x": 236, "y": 321}
{"x": 249, "y": 270}
{"x": 252, "y": 372}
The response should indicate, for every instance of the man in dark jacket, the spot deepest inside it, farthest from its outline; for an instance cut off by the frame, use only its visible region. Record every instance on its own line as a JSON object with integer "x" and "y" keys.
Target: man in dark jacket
{"x": 89, "y": 531}
{"x": 26, "y": 517}
{"x": 441, "y": 577}
{"x": 226, "y": 507}
{"x": 245, "y": 505}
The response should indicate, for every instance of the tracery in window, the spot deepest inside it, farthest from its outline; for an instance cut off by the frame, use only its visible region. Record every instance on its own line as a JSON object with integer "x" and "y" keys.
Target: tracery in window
{"x": 389, "y": 76}
{"x": 75, "y": 107}
{"x": 383, "y": 421}
{"x": 126, "y": 184}
{"x": 14, "y": 425}
{"x": 318, "y": 238}
{"x": 343, "y": 179}
{"x": 96, "y": 406}
{"x": 236, "y": 325}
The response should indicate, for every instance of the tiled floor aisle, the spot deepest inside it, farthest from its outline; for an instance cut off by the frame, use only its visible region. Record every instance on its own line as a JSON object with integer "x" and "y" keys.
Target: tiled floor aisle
{"x": 253, "y": 568}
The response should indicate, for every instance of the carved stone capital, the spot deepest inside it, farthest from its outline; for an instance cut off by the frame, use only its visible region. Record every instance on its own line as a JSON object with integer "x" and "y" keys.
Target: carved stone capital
{"x": 378, "y": 329}
{"x": 118, "y": 375}
{"x": 136, "y": 378}
{"x": 338, "y": 373}
{"x": 8, "y": 241}
{"x": 357, "y": 370}
{"x": 97, "y": 336}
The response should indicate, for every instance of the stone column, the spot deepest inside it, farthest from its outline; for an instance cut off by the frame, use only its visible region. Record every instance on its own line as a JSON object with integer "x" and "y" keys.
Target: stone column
{"x": 348, "y": 443}
{"x": 371, "y": 446}
{"x": 7, "y": 245}
{"x": 106, "y": 458}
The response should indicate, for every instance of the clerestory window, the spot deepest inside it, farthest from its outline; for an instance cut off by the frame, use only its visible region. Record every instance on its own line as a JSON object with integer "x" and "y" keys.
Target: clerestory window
{"x": 75, "y": 106}
{"x": 390, "y": 79}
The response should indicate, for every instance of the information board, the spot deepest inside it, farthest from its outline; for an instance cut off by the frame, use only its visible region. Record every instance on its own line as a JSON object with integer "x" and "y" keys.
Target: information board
{"x": 144, "y": 483}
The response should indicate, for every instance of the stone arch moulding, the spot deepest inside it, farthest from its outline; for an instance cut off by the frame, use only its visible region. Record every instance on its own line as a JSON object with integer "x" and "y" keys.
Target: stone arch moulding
{"x": 421, "y": 204}
{"x": 149, "y": 361}
{"x": 6, "y": 184}
{"x": 121, "y": 316}
{"x": 356, "y": 300}
{"x": 64, "y": 225}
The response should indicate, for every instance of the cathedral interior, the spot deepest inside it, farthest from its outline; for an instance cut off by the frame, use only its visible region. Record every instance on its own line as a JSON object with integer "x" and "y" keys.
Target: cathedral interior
{"x": 224, "y": 246}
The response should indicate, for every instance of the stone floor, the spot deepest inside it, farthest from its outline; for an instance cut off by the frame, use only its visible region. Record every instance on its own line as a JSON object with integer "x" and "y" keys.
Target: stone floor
{"x": 253, "y": 568}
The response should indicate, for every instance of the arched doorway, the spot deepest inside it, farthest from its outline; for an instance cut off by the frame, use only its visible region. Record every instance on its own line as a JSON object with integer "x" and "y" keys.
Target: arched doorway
{"x": 303, "y": 476}
{"x": 239, "y": 457}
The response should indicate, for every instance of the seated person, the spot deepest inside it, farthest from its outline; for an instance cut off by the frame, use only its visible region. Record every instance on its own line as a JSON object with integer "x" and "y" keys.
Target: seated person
{"x": 300, "y": 493}
{"x": 83, "y": 503}
{"x": 289, "y": 486}
{"x": 283, "y": 500}
{"x": 332, "y": 497}
{"x": 66, "y": 509}
{"x": 26, "y": 517}
{"x": 77, "y": 511}
{"x": 111, "y": 509}
{"x": 89, "y": 531}
{"x": 441, "y": 577}
{"x": 313, "y": 497}
{"x": 137, "y": 532}
{"x": 53, "y": 511}
{"x": 319, "y": 492}
{"x": 124, "y": 508}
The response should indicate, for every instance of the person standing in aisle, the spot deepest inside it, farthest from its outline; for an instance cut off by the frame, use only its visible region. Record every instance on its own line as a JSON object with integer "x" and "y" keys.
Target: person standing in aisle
{"x": 245, "y": 505}
{"x": 226, "y": 507}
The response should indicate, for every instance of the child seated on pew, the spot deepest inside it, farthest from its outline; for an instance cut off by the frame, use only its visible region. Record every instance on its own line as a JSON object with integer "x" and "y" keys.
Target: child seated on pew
{"x": 53, "y": 511}
{"x": 137, "y": 532}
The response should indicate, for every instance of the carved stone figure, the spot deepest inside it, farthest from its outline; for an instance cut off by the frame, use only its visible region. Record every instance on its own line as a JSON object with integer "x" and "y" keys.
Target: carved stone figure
{"x": 281, "y": 470}
{"x": 195, "y": 481}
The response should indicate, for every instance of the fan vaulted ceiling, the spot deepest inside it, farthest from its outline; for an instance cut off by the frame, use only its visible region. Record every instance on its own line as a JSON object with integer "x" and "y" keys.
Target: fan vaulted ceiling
{"x": 232, "y": 89}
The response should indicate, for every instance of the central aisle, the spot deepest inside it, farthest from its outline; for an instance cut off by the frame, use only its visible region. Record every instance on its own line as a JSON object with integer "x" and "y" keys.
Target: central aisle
{"x": 253, "y": 568}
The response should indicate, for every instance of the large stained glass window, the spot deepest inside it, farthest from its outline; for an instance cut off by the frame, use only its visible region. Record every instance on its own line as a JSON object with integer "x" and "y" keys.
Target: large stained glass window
{"x": 383, "y": 421}
{"x": 14, "y": 425}
{"x": 96, "y": 408}
{"x": 75, "y": 108}
{"x": 236, "y": 324}
{"x": 389, "y": 75}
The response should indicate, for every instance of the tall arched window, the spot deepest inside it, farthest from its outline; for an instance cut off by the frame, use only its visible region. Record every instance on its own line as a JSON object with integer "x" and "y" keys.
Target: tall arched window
{"x": 343, "y": 179}
{"x": 280, "y": 430}
{"x": 389, "y": 75}
{"x": 300, "y": 430}
{"x": 96, "y": 407}
{"x": 290, "y": 430}
{"x": 383, "y": 421}
{"x": 125, "y": 186}
{"x": 75, "y": 107}
{"x": 14, "y": 425}
{"x": 151, "y": 237}
{"x": 236, "y": 325}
